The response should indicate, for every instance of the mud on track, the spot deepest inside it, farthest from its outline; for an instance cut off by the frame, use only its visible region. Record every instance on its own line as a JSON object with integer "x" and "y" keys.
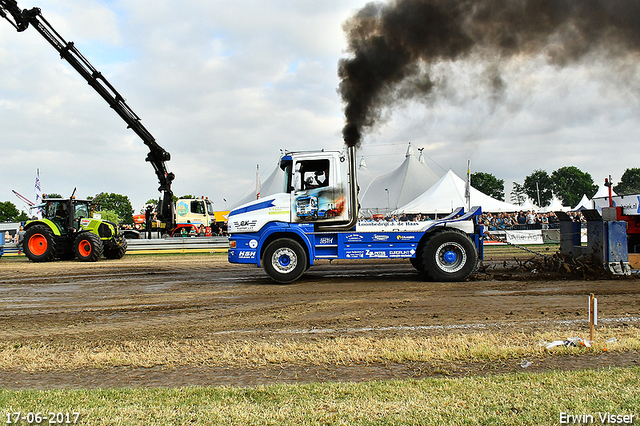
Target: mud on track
{"x": 140, "y": 298}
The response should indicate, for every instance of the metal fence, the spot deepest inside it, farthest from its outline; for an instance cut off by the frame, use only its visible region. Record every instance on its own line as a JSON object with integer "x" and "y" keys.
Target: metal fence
{"x": 179, "y": 244}
{"x": 155, "y": 245}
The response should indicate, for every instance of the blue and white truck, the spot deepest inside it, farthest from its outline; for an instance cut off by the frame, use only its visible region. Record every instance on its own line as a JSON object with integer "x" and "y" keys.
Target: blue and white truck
{"x": 286, "y": 234}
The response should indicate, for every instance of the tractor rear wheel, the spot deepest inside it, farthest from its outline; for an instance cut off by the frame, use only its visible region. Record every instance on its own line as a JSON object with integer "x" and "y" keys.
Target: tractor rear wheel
{"x": 39, "y": 244}
{"x": 88, "y": 247}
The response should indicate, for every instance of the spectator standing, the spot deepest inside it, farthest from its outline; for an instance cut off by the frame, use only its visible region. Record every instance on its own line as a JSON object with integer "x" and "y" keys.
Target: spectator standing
{"x": 19, "y": 239}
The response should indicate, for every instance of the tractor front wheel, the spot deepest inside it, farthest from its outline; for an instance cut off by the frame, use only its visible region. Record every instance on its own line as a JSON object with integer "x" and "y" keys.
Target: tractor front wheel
{"x": 88, "y": 247}
{"x": 39, "y": 244}
{"x": 116, "y": 248}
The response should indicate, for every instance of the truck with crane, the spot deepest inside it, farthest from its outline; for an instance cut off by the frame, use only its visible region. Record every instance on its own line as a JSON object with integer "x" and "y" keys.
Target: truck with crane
{"x": 285, "y": 233}
{"x": 164, "y": 217}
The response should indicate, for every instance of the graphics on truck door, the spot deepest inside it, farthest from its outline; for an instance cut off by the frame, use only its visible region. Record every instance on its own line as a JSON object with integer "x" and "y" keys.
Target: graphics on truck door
{"x": 318, "y": 193}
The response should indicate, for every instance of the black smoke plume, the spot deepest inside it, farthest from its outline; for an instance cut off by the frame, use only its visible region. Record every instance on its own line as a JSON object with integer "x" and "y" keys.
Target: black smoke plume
{"x": 398, "y": 42}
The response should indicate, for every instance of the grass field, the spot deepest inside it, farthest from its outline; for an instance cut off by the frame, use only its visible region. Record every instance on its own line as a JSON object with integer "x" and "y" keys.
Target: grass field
{"x": 513, "y": 399}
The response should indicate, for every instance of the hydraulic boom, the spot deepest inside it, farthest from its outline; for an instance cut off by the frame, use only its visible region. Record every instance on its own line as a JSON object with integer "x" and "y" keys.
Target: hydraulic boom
{"x": 20, "y": 19}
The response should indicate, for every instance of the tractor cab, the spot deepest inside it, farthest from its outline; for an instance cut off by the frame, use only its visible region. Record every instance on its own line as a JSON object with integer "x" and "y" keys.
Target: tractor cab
{"x": 66, "y": 214}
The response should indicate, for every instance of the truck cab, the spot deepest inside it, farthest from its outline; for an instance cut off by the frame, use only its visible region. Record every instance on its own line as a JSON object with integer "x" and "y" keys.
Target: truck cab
{"x": 315, "y": 217}
{"x": 197, "y": 211}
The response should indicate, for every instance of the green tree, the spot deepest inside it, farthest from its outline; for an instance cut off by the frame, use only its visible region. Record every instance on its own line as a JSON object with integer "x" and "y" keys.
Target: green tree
{"x": 539, "y": 183}
{"x": 8, "y": 212}
{"x": 109, "y": 215}
{"x": 518, "y": 195}
{"x": 190, "y": 197}
{"x": 22, "y": 217}
{"x": 629, "y": 182}
{"x": 51, "y": 195}
{"x": 570, "y": 183}
{"x": 488, "y": 184}
{"x": 120, "y": 204}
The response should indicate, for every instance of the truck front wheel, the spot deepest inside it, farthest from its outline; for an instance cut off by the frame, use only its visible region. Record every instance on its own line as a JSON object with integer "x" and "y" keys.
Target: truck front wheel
{"x": 285, "y": 260}
{"x": 88, "y": 247}
{"x": 39, "y": 244}
{"x": 448, "y": 256}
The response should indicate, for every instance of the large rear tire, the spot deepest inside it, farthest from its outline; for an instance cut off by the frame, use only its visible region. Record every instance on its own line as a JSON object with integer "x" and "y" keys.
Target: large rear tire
{"x": 39, "y": 244}
{"x": 448, "y": 255}
{"x": 285, "y": 260}
{"x": 88, "y": 247}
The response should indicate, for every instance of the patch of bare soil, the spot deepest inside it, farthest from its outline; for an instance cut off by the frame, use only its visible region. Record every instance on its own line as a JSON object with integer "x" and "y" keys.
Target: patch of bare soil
{"x": 141, "y": 298}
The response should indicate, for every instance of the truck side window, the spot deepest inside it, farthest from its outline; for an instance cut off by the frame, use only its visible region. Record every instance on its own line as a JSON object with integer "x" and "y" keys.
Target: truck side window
{"x": 197, "y": 207}
{"x": 311, "y": 174}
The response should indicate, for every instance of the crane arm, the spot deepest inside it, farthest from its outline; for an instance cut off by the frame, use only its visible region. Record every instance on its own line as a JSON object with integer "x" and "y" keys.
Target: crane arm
{"x": 20, "y": 19}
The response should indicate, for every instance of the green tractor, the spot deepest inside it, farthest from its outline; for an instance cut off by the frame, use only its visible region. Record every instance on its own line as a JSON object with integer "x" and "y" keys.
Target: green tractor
{"x": 68, "y": 231}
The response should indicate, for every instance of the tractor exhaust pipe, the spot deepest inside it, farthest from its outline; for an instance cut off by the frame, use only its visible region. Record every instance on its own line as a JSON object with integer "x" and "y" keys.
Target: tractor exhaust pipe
{"x": 353, "y": 197}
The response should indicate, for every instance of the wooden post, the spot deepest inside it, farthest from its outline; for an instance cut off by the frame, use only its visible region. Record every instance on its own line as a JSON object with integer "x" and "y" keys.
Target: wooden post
{"x": 593, "y": 315}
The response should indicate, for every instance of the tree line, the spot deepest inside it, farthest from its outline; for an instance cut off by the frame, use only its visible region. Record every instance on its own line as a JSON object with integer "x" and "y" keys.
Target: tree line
{"x": 113, "y": 207}
{"x": 567, "y": 183}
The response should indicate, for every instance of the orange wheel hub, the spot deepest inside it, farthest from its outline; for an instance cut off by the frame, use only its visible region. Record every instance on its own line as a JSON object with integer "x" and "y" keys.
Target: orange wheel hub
{"x": 84, "y": 248}
{"x": 38, "y": 244}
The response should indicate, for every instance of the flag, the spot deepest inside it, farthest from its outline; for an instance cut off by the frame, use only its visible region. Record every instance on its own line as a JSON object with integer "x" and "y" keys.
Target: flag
{"x": 467, "y": 188}
{"x": 38, "y": 191}
{"x": 258, "y": 184}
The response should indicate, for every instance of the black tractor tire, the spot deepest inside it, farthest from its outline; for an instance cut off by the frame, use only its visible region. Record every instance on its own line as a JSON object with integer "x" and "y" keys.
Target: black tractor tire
{"x": 116, "y": 248}
{"x": 88, "y": 247}
{"x": 39, "y": 244}
{"x": 285, "y": 260}
{"x": 448, "y": 255}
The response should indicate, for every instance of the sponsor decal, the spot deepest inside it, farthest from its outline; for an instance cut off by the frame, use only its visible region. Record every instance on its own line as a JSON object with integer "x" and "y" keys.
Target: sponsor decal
{"x": 406, "y": 237}
{"x": 401, "y": 253}
{"x": 376, "y": 254}
{"x": 354, "y": 254}
{"x": 353, "y": 237}
{"x": 253, "y": 244}
{"x": 245, "y": 225}
{"x": 326, "y": 240}
{"x": 182, "y": 208}
{"x": 278, "y": 210}
{"x": 380, "y": 237}
{"x": 85, "y": 222}
{"x": 247, "y": 255}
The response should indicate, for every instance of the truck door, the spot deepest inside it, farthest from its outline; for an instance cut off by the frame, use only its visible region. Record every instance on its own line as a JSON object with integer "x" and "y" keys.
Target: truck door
{"x": 316, "y": 195}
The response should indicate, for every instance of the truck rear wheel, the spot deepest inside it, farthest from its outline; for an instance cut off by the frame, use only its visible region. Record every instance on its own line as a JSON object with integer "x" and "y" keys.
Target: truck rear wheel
{"x": 39, "y": 244}
{"x": 285, "y": 260}
{"x": 448, "y": 256}
{"x": 88, "y": 247}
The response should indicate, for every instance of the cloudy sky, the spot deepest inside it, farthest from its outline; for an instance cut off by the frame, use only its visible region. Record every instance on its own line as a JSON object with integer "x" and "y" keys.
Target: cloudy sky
{"x": 224, "y": 86}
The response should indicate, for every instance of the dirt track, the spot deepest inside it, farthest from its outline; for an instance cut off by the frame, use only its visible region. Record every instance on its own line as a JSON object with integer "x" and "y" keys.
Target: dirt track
{"x": 200, "y": 296}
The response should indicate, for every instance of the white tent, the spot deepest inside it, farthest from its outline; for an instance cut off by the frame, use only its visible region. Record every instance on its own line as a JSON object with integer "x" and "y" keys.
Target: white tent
{"x": 364, "y": 177}
{"x": 528, "y": 205}
{"x": 584, "y": 204}
{"x": 556, "y": 205}
{"x": 448, "y": 194}
{"x": 603, "y": 191}
{"x": 392, "y": 190}
{"x": 274, "y": 184}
